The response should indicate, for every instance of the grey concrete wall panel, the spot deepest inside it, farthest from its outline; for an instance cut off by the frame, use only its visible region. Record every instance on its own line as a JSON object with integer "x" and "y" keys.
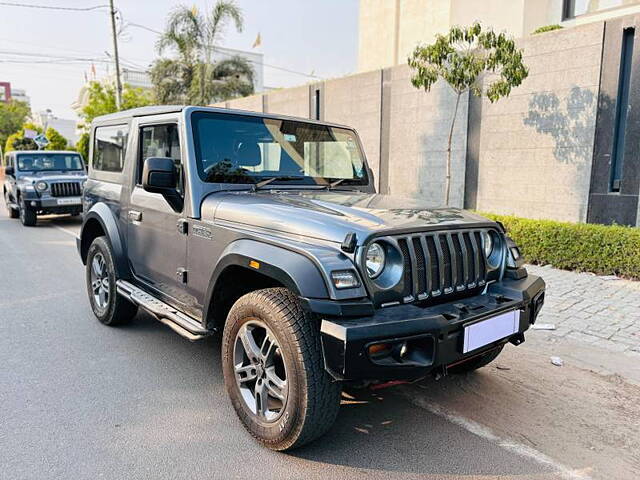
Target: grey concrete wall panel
{"x": 536, "y": 146}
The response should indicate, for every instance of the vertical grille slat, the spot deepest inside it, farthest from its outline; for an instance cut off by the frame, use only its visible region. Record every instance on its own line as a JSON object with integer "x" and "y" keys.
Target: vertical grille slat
{"x": 414, "y": 268}
{"x": 469, "y": 239}
{"x": 481, "y": 259}
{"x": 436, "y": 267}
{"x": 447, "y": 262}
{"x": 427, "y": 270}
{"x": 407, "y": 274}
{"x": 65, "y": 189}
{"x": 456, "y": 277}
{"x": 464, "y": 254}
{"x": 421, "y": 267}
{"x": 441, "y": 264}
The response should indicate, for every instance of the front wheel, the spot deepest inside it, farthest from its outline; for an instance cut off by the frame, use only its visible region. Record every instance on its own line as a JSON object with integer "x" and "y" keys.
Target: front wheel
{"x": 28, "y": 217}
{"x": 108, "y": 307}
{"x": 274, "y": 372}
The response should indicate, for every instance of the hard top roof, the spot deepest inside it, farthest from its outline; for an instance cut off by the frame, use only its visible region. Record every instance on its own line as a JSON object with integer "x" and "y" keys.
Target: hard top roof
{"x": 161, "y": 109}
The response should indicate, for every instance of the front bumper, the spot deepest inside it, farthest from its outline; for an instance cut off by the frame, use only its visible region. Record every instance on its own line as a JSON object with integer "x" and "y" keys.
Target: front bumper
{"x": 436, "y": 333}
{"x": 47, "y": 204}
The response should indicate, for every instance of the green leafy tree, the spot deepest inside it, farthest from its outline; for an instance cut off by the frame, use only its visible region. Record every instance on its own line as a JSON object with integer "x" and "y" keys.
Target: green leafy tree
{"x": 460, "y": 58}
{"x": 12, "y": 115}
{"x": 82, "y": 145}
{"x": 17, "y": 141}
{"x": 191, "y": 77}
{"x": 56, "y": 140}
{"x": 102, "y": 100}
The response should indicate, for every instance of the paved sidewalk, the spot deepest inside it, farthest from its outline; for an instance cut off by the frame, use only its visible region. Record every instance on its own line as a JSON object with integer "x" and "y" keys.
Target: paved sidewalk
{"x": 603, "y": 311}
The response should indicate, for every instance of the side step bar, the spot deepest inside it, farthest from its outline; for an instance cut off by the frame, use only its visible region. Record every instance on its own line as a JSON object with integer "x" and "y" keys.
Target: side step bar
{"x": 179, "y": 322}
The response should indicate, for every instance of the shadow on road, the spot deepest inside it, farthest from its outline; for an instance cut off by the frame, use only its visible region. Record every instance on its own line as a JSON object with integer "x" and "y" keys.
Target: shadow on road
{"x": 59, "y": 220}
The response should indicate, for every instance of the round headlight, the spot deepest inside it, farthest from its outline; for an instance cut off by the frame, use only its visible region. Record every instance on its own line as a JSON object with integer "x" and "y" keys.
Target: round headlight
{"x": 487, "y": 244}
{"x": 374, "y": 260}
{"x": 41, "y": 186}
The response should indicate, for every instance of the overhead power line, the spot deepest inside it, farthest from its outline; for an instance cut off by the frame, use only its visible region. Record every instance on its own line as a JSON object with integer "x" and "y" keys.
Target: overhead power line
{"x": 50, "y": 7}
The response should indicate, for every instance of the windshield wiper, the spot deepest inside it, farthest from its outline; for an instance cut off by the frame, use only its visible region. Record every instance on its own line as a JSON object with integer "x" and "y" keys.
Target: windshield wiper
{"x": 267, "y": 181}
{"x": 335, "y": 183}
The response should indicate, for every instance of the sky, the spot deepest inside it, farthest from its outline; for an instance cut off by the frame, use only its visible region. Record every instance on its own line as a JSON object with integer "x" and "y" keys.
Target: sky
{"x": 311, "y": 37}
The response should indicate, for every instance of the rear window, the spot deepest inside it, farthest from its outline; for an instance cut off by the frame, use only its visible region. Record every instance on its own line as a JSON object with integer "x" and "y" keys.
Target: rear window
{"x": 109, "y": 149}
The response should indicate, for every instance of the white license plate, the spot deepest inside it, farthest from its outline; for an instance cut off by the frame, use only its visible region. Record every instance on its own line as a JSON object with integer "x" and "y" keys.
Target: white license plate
{"x": 487, "y": 331}
{"x": 70, "y": 201}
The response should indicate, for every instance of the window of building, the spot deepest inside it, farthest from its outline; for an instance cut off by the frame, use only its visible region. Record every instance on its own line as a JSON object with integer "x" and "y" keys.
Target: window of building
{"x": 575, "y": 8}
{"x": 161, "y": 141}
{"x": 110, "y": 148}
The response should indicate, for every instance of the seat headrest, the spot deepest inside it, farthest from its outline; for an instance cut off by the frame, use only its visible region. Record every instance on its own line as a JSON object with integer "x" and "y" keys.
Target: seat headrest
{"x": 248, "y": 155}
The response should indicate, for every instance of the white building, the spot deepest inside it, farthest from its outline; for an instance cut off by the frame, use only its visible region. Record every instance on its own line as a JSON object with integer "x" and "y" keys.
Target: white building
{"x": 20, "y": 95}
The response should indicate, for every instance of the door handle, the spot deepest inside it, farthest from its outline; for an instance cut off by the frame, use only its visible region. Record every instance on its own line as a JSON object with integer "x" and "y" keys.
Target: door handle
{"x": 135, "y": 216}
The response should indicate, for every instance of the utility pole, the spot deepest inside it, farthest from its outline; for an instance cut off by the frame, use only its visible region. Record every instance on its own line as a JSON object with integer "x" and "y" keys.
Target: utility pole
{"x": 112, "y": 12}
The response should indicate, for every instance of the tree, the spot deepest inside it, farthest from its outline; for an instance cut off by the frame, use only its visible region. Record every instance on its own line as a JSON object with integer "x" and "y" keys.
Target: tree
{"x": 192, "y": 77}
{"x": 12, "y": 115}
{"x": 459, "y": 58}
{"x": 102, "y": 100}
{"x": 56, "y": 140}
{"x": 82, "y": 145}
{"x": 17, "y": 141}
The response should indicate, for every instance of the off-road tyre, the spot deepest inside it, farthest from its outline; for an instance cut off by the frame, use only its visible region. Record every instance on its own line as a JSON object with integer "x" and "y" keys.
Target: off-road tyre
{"x": 118, "y": 310}
{"x": 313, "y": 397}
{"x": 28, "y": 216}
{"x": 12, "y": 212}
{"x": 477, "y": 362}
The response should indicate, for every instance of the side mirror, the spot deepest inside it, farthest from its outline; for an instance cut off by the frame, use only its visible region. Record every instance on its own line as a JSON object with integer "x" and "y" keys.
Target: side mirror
{"x": 159, "y": 175}
{"x": 9, "y": 171}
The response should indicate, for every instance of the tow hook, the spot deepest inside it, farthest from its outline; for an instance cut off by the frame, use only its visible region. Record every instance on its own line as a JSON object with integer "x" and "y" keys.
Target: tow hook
{"x": 517, "y": 339}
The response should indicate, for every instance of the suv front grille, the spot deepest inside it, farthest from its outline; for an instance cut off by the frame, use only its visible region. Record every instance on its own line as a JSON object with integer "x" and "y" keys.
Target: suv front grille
{"x": 442, "y": 263}
{"x": 65, "y": 189}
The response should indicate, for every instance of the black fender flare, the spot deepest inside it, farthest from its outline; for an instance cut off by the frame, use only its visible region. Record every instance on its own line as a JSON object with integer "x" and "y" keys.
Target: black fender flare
{"x": 102, "y": 214}
{"x": 291, "y": 269}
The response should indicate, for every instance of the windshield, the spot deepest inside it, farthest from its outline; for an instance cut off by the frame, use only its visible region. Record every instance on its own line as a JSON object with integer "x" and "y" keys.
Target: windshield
{"x": 245, "y": 149}
{"x": 41, "y": 162}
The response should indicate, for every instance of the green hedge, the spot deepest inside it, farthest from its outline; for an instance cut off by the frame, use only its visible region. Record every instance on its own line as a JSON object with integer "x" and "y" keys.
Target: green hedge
{"x": 546, "y": 28}
{"x": 601, "y": 249}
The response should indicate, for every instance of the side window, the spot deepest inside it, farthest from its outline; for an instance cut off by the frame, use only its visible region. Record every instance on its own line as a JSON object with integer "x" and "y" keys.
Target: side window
{"x": 110, "y": 148}
{"x": 161, "y": 141}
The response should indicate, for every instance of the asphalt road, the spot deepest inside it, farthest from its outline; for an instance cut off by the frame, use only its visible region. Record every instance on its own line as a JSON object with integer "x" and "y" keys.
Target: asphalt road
{"x": 80, "y": 400}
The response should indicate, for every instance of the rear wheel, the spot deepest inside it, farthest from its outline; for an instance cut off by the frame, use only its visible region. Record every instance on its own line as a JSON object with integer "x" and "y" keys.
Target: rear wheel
{"x": 13, "y": 212}
{"x": 28, "y": 217}
{"x": 108, "y": 307}
{"x": 475, "y": 363}
{"x": 274, "y": 372}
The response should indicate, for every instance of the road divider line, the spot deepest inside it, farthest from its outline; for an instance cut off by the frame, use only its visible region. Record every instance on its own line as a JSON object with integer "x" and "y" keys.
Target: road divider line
{"x": 68, "y": 232}
{"x": 487, "y": 434}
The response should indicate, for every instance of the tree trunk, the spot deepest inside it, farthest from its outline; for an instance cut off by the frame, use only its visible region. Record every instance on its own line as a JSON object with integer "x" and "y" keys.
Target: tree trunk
{"x": 447, "y": 179}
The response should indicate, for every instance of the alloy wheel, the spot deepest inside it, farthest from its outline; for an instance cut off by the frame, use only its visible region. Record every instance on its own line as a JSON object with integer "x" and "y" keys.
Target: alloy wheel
{"x": 100, "y": 281}
{"x": 260, "y": 371}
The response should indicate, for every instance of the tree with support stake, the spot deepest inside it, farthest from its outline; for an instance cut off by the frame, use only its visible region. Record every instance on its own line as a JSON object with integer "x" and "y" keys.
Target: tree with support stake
{"x": 459, "y": 58}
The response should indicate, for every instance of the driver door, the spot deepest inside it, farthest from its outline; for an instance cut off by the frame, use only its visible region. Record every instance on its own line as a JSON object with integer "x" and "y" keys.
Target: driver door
{"x": 156, "y": 247}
